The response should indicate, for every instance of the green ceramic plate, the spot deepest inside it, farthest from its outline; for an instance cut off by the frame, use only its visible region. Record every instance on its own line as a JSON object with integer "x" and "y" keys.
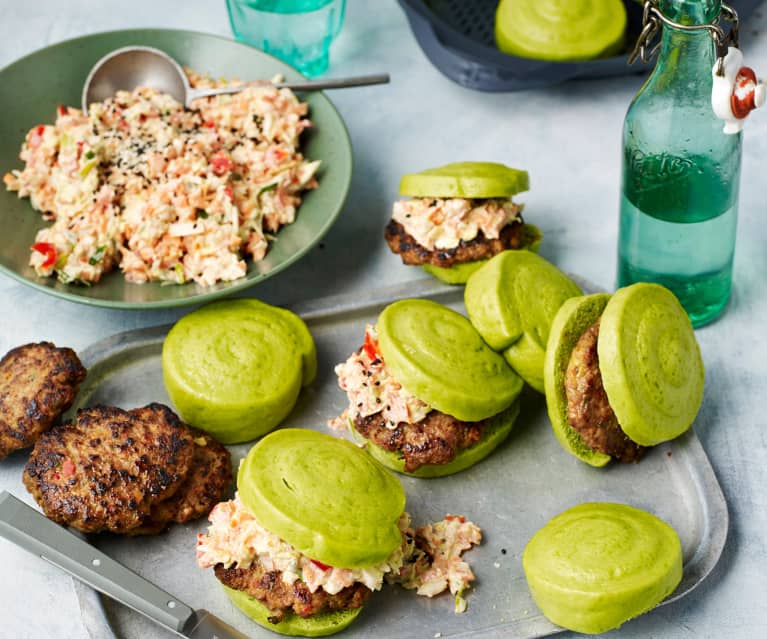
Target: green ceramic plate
{"x": 32, "y": 88}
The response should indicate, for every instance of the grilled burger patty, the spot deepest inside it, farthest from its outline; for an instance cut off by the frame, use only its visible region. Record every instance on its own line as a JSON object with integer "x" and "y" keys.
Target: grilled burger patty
{"x": 38, "y": 383}
{"x": 436, "y": 439}
{"x": 108, "y": 468}
{"x": 281, "y": 598}
{"x": 207, "y": 483}
{"x": 480, "y": 248}
{"x": 588, "y": 409}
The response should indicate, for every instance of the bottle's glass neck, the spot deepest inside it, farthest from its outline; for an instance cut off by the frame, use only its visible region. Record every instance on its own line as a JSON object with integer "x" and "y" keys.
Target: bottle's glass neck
{"x": 690, "y": 11}
{"x": 688, "y": 53}
{"x": 687, "y": 50}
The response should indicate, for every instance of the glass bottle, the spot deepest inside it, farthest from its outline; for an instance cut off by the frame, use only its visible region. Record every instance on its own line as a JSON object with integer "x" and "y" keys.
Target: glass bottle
{"x": 681, "y": 173}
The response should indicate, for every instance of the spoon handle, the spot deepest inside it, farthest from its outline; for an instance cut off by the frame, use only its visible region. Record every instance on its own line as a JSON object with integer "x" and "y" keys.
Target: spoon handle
{"x": 335, "y": 83}
{"x": 308, "y": 85}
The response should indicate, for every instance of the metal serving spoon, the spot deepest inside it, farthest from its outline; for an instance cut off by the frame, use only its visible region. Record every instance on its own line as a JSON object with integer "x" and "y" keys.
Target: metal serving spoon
{"x": 131, "y": 67}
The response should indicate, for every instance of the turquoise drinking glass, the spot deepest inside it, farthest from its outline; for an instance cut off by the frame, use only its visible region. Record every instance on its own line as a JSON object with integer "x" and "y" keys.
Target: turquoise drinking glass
{"x": 297, "y": 31}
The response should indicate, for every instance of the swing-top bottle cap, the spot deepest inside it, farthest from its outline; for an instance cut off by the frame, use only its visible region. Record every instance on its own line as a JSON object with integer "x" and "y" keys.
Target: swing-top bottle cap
{"x": 736, "y": 91}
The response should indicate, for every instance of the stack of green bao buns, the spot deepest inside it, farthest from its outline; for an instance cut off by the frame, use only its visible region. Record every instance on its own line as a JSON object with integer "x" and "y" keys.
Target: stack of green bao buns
{"x": 560, "y": 30}
{"x": 648, "y": 368}
{"x": 597, "y": 565}
{"x": 435, "y": 354}
{"x": 471, "y": 181}
{"x": 512, "y": 301}
{"x": 235, "y": 368}
{"x": 330, "y": 501}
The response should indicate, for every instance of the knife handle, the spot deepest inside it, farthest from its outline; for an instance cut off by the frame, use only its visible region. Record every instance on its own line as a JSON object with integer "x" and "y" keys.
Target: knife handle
{"x": 27, "y": 528}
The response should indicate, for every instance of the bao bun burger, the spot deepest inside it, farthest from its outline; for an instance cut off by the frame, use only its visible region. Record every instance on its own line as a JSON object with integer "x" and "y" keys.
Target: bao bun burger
{"x": 459, "y": 215}
{"x": 315, "y": 527}
{"x": 427, "y": 396}
{"x": 597, "y": 565}
{"x": 621, "y": 373}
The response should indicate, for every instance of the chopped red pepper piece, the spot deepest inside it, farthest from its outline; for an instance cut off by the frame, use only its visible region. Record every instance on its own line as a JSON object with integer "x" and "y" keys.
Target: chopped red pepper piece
{"x": 40, "y": 130}
{"x": 63, "y": 110}
{"x": 371, "y": 347}
{"x": 320, "y": 565}
{"x": 48, "y": 250}
{"x": 221, "y": 163}
{"x": 228, "y": 191}
{"x": 68, "y": 468}
{"x": 460, "y": 518}
{"x": 210, "y": 124}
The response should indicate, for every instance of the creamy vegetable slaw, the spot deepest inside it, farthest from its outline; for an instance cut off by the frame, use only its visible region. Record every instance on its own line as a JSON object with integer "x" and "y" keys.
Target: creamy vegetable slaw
{"x": 164, "y": 193}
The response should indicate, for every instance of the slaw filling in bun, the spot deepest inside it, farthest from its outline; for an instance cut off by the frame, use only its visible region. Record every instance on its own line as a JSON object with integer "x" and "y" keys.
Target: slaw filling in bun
{"x": 316, "y": 526}
{"x": 426, "y": 395}
{"x": 458, "y": 216}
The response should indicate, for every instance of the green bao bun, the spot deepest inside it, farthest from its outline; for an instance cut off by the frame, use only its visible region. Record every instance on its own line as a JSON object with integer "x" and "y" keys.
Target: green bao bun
{"x": 512, "y": 301}
{"x": 560, "y": 30}
{"x": 301, "y": 334}
{"x": 598, "y": 564}
{"x": 571, "y": 321}
{"x": 649, "y": 360}
{"x": 467, "y": 180}
{"x": 456, "y": 274}
{"x": 292, "y": 624}
{"x": 438, "y": 356}
{"x": 651, "y": 365}
{"x": 323, "y": 495}
{"x": 531, "y": 237}
{"x": 496, "y": 432}
{"x": 235, "y": 368}
{"x": 460, "y": 273}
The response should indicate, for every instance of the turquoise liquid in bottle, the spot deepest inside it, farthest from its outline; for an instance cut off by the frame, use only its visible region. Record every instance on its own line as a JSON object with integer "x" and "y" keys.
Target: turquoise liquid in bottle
{"x": 681, "y": 174}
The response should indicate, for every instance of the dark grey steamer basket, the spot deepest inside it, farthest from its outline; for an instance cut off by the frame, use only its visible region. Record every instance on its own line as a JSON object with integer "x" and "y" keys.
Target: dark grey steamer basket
{"x": 457, "y": 37}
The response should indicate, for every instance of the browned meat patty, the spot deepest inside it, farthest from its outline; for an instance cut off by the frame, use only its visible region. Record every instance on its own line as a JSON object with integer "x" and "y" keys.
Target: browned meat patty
{"x": 480, "y": 248}
{"x": 588, "y": 409}
{"x": 436, "y": 439}
{"x": 281, "y": 598}
{"x": 38, "y": 383}
{"x": 107, "y": 469}
{"x": 206, "y": 484}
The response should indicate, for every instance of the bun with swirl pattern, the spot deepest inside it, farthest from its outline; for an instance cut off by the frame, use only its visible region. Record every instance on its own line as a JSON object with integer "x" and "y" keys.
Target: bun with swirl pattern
{"x": 621, "y": 373}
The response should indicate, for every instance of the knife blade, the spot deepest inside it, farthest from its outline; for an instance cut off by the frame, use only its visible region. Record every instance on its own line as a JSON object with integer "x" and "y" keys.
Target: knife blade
{"x": 32, "y": 531}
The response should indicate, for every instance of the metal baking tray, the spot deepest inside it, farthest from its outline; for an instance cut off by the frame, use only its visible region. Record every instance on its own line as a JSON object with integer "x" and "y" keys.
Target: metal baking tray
{"x": 514, "y": 492}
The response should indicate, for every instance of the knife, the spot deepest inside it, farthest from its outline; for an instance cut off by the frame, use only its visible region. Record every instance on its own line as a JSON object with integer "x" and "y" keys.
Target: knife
{"x": 27, "y": 528}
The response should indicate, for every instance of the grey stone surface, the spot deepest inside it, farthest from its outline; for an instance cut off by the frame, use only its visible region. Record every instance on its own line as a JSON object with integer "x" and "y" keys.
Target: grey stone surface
{"x": 568, "y": 137}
